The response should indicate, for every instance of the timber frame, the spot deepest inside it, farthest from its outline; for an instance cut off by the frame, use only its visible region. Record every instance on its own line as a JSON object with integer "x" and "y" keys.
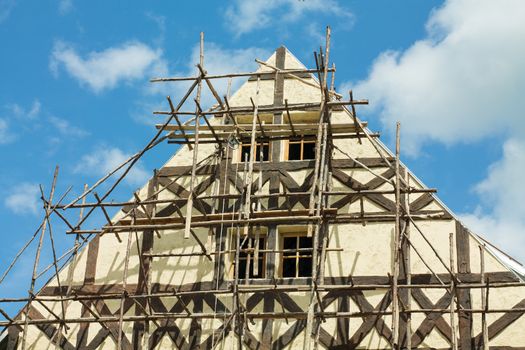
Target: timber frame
{"x": 224, "y": 198}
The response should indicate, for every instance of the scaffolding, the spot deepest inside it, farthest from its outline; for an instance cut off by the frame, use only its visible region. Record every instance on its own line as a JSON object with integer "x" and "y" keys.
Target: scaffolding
{"x": 245, "y": 214}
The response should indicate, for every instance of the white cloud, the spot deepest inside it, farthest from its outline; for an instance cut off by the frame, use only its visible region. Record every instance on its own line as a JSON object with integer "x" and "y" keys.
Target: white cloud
{"x": 462, "y": 82}
{"x": 219, "y": 60}
{"x": 105, "y": 159}
{"x": 6, "y": 6}
{"x": 65, "y": 128}
{"x": 64, "y": 6}
{"x": 105, "y": 69}
{"x": 24, "y": 199}
{"x": 21, "y": 113}
{"x": 5, "y": 134}
{"x": 245, "y": 16}
{"x": 501, "y": 217}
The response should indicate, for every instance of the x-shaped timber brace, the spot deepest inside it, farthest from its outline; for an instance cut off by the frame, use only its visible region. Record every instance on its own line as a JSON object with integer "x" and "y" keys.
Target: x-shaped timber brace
{"x": 247, "y": 208}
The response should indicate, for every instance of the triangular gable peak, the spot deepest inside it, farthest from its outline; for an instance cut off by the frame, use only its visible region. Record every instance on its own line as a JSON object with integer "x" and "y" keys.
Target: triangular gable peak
{"x": 219, "y": 249}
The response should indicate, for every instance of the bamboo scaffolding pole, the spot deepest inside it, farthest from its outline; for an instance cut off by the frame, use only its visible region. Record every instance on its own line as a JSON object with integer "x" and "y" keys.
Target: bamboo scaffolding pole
{"x": 156, "y": 140}
{"x": 228, "y": 111}
{"x": 263, "y": 109}
{"x": 396, "y": 247}
{"x": 315, "y": 206}
{"x": 453, "y": 295}
{"x": 256, "y": 196}
{"x": 37, "y": 258}
{"x": 305, "y": 136}
{"x": 251, "y": 315}
{"x": 189, "y": 205}
{"x": 210, "y": 85}
{"x": 292, "y": 75}
{"x": 174, "y": 114}
{"x": 57, "y": 276}
{"x": 33, "y": 236}
{"x": 237, "y": 75}
{"x": 254, "y": 288}
{"x": 124, "y": 285}
{"x": 74, "y": 255}
{"x": 318, "y": 214}
{"x": 408, "y": 261}
{"x": 484, "y": 300}
{"x": 327, "y": 215}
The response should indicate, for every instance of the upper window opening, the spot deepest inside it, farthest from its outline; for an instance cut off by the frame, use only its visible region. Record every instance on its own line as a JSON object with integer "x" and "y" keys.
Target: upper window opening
{"x": 301, "y": 149}
{"x": 297, "y": 256}
{"x": 262, "y": 149}
{"x": 247, "y": 261}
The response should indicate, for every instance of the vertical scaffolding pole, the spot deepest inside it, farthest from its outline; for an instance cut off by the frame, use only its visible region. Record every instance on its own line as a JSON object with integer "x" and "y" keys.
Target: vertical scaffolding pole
{"x": 484, "y": 301}
{"x": 189, "y": 205}
{"x": 408, "y": 269}
{"x": 37, "y": 257}
{"x": 454, "y": 342}
{"x": 395, "y": 302}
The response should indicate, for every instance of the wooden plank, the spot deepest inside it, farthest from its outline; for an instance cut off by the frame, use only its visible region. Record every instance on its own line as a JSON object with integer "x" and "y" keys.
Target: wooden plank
{"x": 463, "y": 295}
{"x": 421, "y": 202}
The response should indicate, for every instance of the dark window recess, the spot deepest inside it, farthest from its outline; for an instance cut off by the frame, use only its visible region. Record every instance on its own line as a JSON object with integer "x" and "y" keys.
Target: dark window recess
{"x": 309, "y": 150}
{"x": 297, "y": 263}
{"x": 294, "y": 151}
{"x": 299, "y": 149}
{"x": 246, "y": 258}
{"x": 246, "y": 147}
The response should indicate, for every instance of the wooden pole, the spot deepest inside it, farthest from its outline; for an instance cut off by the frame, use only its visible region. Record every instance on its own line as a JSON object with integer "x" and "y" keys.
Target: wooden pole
{"x": 395, "y": 253}
{"x": 454, "y": 342}
{"x": 189, "y": 205}
{"x": 37, "y": 258}
{"x": 484, "y": 300}
{"x": 408, "y": 267}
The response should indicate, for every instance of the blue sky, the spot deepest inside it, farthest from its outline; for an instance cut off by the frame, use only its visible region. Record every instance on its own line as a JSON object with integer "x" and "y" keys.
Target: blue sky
{"x": 74, "y": 91}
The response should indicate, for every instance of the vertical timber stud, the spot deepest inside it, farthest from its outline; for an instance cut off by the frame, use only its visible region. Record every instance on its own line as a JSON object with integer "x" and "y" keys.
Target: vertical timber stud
{"x": 408, "y": 264}
{"x": 141, "y": 328}
{"x": 273, "y": 202}
{"x": 464, "y": 302}
{"x": 453, "y": 342}
{"x": 189, "y": 205}
{"x": 484, "y": 301}
{"x": 404, "y": 265}
{"x": 395, "y": 302}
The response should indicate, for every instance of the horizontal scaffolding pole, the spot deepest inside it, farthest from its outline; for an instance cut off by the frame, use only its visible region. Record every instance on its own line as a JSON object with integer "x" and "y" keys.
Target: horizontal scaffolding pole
{"x": 239, "y": 195}
{"x": 262, "y": 109}
{"x": 249, "y": 315}
{"x": 240, "y": 75}
{"x": 258, "y": 288}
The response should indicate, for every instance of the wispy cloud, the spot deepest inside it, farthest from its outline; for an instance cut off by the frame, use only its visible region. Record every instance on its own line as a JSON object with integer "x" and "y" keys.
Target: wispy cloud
{"x": 21, "y": 112}
{"x": 500, "y": 217}
{"x": 246, "y": 16}
{"x": 65, "y": 6}
{"x": 105, "y": 69}
{"x": 218, "y": 60}
{"x": 24, "y": 199}
{"x": 462, "y": 82}
{"x": 6, "y": 135}
{"x": 6, "y": 6}
{"x": 103, "y": 160}
{"x": 64, "y": 127}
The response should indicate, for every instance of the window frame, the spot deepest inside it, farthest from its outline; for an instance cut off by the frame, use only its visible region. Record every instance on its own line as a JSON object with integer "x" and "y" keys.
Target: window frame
{"x": 297, "y": 140}
{"x": 298, "y": 254}
{"x": 258, "y": 144}
{"x": 249, "y": 256}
